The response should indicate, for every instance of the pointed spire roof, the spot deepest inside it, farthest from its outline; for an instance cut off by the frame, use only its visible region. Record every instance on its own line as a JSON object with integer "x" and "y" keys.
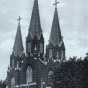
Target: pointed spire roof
{"x": 18, "y": 45}
{"x": 55, "y": 35}
{"x": 35, "y": 26}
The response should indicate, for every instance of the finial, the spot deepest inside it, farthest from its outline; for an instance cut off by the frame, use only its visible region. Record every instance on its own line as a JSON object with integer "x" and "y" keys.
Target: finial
{"x": 19, "y": 19}
{"x": 56, "y": 3}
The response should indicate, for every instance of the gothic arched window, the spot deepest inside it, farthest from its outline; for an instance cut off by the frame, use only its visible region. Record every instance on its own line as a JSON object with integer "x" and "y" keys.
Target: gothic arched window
{"x": 62, "y": 55}
{"x": 13, "y": 62}
{"x": 12, "y": 82}
{"x": 50, "y": 73}
{"x": 29, "y": 75}
{"x": 29, "y": 47}
{"x": 50, "y": 76}
{"x": 41, "y": 48}
{"x": 50, "y": 53}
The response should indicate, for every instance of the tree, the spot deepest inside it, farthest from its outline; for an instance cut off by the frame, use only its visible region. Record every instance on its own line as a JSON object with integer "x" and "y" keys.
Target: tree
{"x": 2, "y": 84}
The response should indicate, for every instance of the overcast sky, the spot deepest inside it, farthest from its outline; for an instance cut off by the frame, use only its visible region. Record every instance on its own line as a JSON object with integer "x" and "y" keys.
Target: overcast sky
{"x": 73, "y": 16}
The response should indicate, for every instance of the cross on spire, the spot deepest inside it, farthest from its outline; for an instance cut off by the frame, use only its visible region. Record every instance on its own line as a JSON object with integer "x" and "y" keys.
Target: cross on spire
{"x": 19, "y": 19}
{"x": 56, "y": 3}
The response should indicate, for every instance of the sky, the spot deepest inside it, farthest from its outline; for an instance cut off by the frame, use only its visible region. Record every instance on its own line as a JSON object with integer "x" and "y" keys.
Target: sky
{"x": 73, "y": 17}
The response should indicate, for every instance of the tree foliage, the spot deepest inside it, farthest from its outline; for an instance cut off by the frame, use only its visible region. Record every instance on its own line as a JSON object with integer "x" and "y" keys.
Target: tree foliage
{"x": 2, "y": 84}
{"x": 72, "y": 74}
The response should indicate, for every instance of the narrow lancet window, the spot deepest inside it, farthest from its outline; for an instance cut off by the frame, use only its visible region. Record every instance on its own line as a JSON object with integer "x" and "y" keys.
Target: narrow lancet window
{"x": 29, "y": 75}
{"x": 13, "y": 82}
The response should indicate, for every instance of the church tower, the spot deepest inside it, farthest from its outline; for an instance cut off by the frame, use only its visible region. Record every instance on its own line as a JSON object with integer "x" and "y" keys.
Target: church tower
{"x": 18, "y": 50}
{"x": 18, "y": 45}
{"x": 55, "y": 50}
{"x": 15, "y": 59}
{"x": 35, "y": 40}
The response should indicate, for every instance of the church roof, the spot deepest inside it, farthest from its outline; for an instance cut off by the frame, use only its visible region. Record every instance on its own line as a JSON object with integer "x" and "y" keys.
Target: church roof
{"x": 35, "y": 26}
{"x": 55, "y": 36}
{"x": 18, "y": 44}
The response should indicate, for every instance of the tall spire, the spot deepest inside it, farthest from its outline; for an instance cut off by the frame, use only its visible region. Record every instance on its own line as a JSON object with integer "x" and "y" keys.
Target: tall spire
{"x": 35, "y": 26}
{"x": 55, "y": 36}
{"x": 18, "y": 45}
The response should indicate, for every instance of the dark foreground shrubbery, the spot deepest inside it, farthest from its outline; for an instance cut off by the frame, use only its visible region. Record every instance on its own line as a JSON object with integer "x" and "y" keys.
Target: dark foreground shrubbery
{"x": 2, "y": 84}
{"x": 72, "y": 74}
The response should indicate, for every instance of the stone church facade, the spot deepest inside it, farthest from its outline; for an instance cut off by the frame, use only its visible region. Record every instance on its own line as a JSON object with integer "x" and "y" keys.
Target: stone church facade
{"x": 35, "y": 68}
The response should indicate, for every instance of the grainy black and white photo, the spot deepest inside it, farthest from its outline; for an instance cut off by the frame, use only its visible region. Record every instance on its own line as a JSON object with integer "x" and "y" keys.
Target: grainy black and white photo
{"x": 43, "y": 43}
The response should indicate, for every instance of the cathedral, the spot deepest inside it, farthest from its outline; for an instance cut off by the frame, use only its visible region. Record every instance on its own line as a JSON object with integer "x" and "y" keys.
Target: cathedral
{"x": 35, "y": 67}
